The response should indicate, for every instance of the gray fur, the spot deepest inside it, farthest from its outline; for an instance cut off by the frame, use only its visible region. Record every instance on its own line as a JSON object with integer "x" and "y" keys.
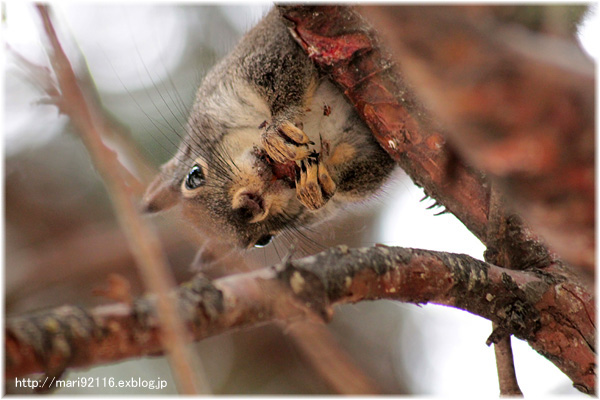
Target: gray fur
{"x": 266, "y": 80}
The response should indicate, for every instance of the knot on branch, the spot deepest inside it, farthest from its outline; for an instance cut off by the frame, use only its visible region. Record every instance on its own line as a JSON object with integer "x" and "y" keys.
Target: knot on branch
{"x": 512, "y": 245}
{"x": 201, "y": 299}
{"x": 515, "y": 312}
{"x": 307, "y": 286}
{"x": 518, "y": 318}
{"x": 199, "y": 302}
{"x": 510, "y": 307}
{"x": 51, "y": 335}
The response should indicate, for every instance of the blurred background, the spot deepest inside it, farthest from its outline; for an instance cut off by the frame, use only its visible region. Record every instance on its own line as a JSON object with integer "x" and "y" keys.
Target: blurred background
{"x": 62, "y": 239}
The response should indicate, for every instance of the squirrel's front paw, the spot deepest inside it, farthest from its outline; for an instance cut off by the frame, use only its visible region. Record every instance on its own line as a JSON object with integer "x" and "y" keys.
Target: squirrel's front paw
{"x": 284, "y": 142}
{"x": 314, "y": 185}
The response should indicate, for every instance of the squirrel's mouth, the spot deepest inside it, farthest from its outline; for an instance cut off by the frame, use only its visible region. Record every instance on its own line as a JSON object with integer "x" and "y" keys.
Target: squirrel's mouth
{"x": 285, "y": 172}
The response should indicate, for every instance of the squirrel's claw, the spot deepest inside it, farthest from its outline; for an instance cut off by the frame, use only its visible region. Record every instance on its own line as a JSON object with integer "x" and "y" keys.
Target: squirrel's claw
{"x": 328, "y": 186}
{"x": 314, "y": 185}
{"x": 294, "y": 133}
{"x": 285, "y": 142}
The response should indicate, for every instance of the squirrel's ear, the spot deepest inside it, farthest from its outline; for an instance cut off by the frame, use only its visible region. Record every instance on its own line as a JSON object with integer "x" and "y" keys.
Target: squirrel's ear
{"x": 160, "y": 194}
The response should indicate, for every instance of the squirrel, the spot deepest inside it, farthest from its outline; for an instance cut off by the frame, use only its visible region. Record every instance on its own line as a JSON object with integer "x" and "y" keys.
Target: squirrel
{"x": 271, "y": 144}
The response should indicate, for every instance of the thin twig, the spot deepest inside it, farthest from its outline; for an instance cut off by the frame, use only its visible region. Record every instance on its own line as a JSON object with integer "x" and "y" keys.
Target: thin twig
{"x": 143, "y": 241}
{"x": 507, "y": 378}
{"x": 499, "y": 252}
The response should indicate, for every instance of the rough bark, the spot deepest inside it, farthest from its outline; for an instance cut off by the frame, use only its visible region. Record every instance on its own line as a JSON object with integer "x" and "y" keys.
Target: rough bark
{"x": 555, "y": 316}
{"x": 516, "y": 104}
{"x": 463, "y": 62}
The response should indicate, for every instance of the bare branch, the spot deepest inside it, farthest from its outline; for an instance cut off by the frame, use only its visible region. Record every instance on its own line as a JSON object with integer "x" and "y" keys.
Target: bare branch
{"x": 507, "y": 379}
{"x": 342, "y": 44}
{"x": 555, "y": 316}
{"x": 346, "y": 47}
{"x": 518, "y": 104}
{"x": 539, "y": 302}
{"x": 144, "y": 243}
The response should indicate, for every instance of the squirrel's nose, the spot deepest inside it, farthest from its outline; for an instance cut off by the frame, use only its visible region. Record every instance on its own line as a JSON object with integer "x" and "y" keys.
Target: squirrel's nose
{"x": 248, "y": 206}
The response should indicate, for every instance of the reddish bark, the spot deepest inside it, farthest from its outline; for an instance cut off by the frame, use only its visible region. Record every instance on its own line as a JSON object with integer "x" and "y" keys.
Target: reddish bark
{"x": 538, "y": 147}
{"x": 554, "y": 314}
{"x": 518, "y": 104}
{"x": 341, "y": 43}
{"x": 387, "y": 102}
{"x": 556, "y": 317}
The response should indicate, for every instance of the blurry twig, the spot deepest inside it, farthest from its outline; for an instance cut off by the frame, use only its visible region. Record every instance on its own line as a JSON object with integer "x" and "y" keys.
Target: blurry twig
{"x": 330, "y": 360}
{"x": 38, "y": 75}
{"x": 144, "y": 243}
{"x": 42, "y": 77}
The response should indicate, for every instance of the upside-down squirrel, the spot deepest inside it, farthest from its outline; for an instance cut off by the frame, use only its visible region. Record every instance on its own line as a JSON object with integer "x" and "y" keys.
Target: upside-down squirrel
{"x": 271, "y": 144}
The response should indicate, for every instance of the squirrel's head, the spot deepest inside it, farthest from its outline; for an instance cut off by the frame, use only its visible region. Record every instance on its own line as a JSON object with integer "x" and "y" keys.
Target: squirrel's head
{"x": 229, "y": 187}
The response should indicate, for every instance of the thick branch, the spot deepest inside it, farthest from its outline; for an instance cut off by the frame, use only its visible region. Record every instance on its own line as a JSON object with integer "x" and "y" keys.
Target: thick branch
{"x": 554, "y": 316}
{"x": 343, "y": 45}
{"x": 518, "y": 104}
{"x": 348, "y": 49}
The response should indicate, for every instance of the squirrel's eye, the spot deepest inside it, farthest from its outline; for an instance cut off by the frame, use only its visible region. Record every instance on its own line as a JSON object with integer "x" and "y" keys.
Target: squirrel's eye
{"x": 263, "y": 241}
{"x": 195, "y": 178}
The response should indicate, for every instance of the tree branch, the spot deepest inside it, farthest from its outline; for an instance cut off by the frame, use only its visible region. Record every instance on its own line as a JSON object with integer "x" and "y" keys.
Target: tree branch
{"x": 517, "y": 103}
{"x": 144, "y": 243}
{"x": 507, "y": 379}
{"x": 340, "y": 42}
{"x": 349, "y": 50}
{"x": 554, "y": 313}
{"x": 556, "y": 317}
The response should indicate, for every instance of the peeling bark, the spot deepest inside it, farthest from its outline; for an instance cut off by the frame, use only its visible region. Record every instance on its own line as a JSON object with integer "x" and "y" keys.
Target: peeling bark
{"x": 518, "y": 104}
{"x": 344, "y": 46}
{"x": 525, "y": 119}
